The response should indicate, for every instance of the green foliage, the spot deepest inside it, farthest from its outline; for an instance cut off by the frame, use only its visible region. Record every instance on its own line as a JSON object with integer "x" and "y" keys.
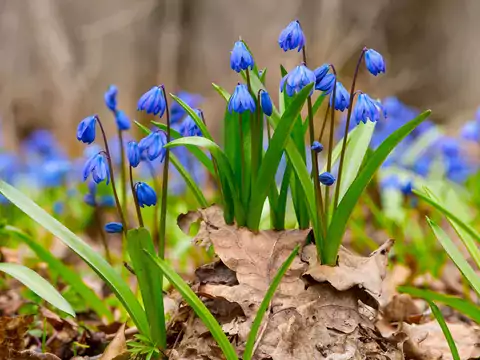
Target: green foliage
{"x": 446, "y": 331}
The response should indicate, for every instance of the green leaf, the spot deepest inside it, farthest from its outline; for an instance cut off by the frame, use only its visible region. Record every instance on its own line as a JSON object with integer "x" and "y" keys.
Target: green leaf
{"x": 356, "y": 149}
{"x": 446, "y": 332}
{"x": 197, "y": 305}
{"x": 281, "y": 206}
{"x": 272, "y": 157}
{"x": 465, "y": 307}
{"x": 91, "y": 257}
{"x": 68, "y": 275}
{"x": 224, "y": 169}
{"x": 189, "y": 181}
{"x": 198, "y": 121}
{"x": 223, "y": 93}
{"x": 345, "y": 207}
{"x": 248, "y": 353}
{"x": 456, "y": 256}
{"x": 149, "y": 276}
{"x": 38, "y": 285}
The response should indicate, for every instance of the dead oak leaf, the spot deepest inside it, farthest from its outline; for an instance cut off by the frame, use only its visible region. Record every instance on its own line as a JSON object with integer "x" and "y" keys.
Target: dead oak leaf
{"x": 117, "y": 349}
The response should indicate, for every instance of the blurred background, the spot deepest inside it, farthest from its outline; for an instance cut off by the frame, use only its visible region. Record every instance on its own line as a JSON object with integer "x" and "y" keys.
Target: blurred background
{"x": 57, "y": 57}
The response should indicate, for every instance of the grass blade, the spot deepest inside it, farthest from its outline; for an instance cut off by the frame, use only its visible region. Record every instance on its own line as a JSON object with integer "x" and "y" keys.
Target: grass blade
{"x": 198, "y": 121}
{"x": 150, "y": 281}
{"x": 248, "y": 353}
{"x": 268, "y": 169}
{"x": 189, "y": 181}
{"x": 446, "y": 331}
{"x": 197, "y": 305}
{"x": 82, "y": 249}
{"x": 38, "y": 285}
{"x": 68, "y": 275}
{"x": 345, "y": 207}
{"x": 465, "y": 307}
{"x": 456, "y": 256}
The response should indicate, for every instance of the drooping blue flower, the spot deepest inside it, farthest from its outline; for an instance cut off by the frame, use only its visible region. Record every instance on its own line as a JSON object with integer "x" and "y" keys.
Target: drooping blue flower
{"x": 114, "y": 227}
{"x": 58, "y": 207}
{"x": 450, "y": 147}
{"x": 367, "y": 109}
{"x": 152, "y": 102}
{"x": 317, "y": 147}
{"x": 107, "y": 201}
{"x": 407, "y": 188}
{"x": 133, "y": 153}
{"x": 326, "y": 178}
{"x": 471, "y": 131}
{"x": 297, "y": 79}
{"x": 86, "y": 129}
{"x": 146, "y": 196}
{"x": 177, "y": 112}
{"x": 152, "y": 146}
{"x": 122, "y": 120}
{"x": 374, "y": 62}
{"x": 325, "y": 84}
{"x": 342, "y": 97}
{"x": 110, "y": 97}
{"x": 240, "y": 57}
{"x": 42, "y": 142}
{"x": 241, "y": 100}
{"x": 292, "y": 37}
{"x": 189, "y": 127}
{"x": 98, "y": 167}
{"x": 266, "y": 103}
{"x": 321, "y": 72}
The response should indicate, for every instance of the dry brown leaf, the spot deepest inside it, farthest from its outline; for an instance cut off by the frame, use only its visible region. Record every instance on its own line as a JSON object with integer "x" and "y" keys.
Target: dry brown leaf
{"x": 29, "y": 355}
{"x": 401, "y": 308}
{"x": 185, "y": 221}
{"x": 216, "y": 273}
{"x": 117, "y": 349}
{"x": 12, "y": 332}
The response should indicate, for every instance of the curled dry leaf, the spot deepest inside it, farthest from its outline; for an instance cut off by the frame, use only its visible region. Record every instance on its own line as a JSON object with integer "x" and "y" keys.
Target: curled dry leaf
{"x": 30, "y": 355}
{"x": 306, "y": 319}
{"x": 12, "y": 333}
{"x": 117, "y": 349}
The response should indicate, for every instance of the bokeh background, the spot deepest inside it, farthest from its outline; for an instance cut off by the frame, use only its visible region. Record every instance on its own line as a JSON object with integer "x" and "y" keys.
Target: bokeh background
{"x": 57, "y": 57}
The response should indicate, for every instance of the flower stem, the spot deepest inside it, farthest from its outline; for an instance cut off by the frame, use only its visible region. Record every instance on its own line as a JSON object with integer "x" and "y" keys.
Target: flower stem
{"x": 98, "y": 220}
{"x": 137, "y": 207}
{"x": 157, "y": 190}
{"x": 347, "y": 126}
{"x": 316, "y": 183}
{"x": 112, "y": 176}
{"x": 122, "y": 171}
{"x": 163, "y": 208}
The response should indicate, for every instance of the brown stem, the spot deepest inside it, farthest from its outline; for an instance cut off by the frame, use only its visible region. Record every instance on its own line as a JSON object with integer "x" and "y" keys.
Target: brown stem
{"x": 122, "y": 172}
{"x": 135, "y": 199}
{"x": 163, "y": 209}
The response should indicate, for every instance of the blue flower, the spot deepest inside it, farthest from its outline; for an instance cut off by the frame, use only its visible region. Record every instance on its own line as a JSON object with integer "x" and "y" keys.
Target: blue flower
{"x": 240, "y": 58}
{"x": 241, "y": 100}
{"x": 342, "y": 97}
{"x": 133, "y": 153}
{"x": 86, "y": 129}
{"x": 326, "y": 83}
{"x": 471, "y": 131}
{"x": 367, "y": 108}
{"x": 145, "y": 194}
{"x": 107, "y": 201}
{"x": 152, "y": 102}
{"x": 266, "y": 103}
{"x": 321, "y": 72}
{"x": 152, "y": 146}
{"x": 110, "y": 97}
{"x": 317, "y": 147}
{"x": 97, "y": 166}
{"x": 407, "y": 188}
{"x": 326, "y": 178}
{"x": 374, "y": 61}
{"x": 58, "y": 207}
{"x": 390, "y": 182}
{"x": 450, "y": 147}
{"x": 189, "y": 127}
{"x": 114, "y": 227}
{"x": 122, "y": 120}
{"x": 297, "y": 79}
{"x": 292, "y": 37}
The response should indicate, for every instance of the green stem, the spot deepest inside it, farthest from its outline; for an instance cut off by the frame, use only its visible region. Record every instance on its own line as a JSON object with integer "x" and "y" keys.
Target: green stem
{"x": 122, "y": 172}
{"x": 137, "y": 206}
{"x": 163, "y": 209}
{"x": 347, "y": 126}
{"x": 156, "y": 187}
{"x": 330, "y": 147}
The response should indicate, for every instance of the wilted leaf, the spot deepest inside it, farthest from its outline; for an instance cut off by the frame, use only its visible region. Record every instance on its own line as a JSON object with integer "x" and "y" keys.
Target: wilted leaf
{"x": 117, "y": 349}
{"x": 30, "y": 355}
{"x": 12, "y": 332}
{"x": 216, "y": 273}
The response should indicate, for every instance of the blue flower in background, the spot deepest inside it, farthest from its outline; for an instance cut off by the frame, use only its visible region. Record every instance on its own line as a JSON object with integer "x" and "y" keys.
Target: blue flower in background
{"x": 107, "y": 201}
{"x": 325, "y": 84}
{"x": 189, "y": 127}
{"x": 240, "y": 57}
{"x": 297, "y": 79}
{"x": 266, "y": 103}
{"x": 58, "y": 207}
{"x": 407, "y": 188}
{"x": 152, "y": 146}
{"x": 471, "y": 131}
{"x": 241, "y": 100}
{"x": 146, "y": 196}
{"x": 133, "y": 153}
{"x": 450, "y": 147}
{"x": 342, "y": 97}
{"x": 374, "y": 62}
{"x": 317, "y": 147}
{"x": 110, "y": 98}
{"x": 292, "y": 37}
{"x": 152, "y": 102}
{"x": 98, "y": 168}
{"x": 326, "y": 178}
{"x": 114, "y": 227}
{"x": 177, "y": 113}
{"x": 390, "y": 181}
{"x": 367, "y": 109}
{"x": 122, "y": 120}
{"x": 42, "y": 143}
{"x": 86, "y": 129}
{"x": 423, "y": 164}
